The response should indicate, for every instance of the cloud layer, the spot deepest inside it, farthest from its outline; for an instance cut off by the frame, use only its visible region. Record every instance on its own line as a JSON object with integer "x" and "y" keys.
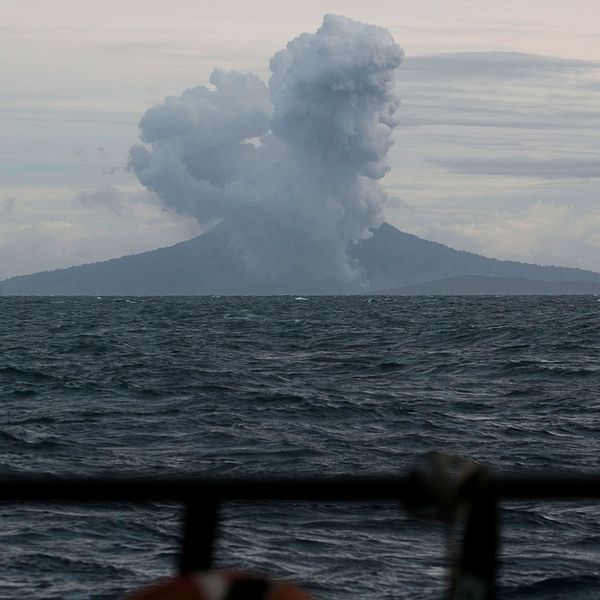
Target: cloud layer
{"x": 292, "y": 167}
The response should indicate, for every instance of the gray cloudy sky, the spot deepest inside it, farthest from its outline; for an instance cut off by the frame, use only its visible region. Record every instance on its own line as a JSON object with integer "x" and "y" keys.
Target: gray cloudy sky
{"x": 497, "y": 150}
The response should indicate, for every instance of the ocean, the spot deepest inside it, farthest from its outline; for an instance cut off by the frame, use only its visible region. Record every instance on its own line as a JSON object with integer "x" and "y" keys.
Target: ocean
{"x": 286, "y": 385}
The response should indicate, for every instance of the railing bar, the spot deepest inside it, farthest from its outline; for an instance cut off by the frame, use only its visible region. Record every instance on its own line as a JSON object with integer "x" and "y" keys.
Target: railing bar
{"x": 350, "y": 488}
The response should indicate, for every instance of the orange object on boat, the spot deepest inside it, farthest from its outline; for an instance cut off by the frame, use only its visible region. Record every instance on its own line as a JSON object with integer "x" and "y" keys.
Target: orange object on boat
{"x": 221, "y": 585}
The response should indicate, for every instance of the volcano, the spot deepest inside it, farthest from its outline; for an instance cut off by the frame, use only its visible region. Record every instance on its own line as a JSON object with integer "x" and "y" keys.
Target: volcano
{"x": 390, "y": 261}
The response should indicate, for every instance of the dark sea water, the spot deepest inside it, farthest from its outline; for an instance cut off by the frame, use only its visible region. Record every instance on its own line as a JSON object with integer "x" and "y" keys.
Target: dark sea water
{"x": 281, "y": 385}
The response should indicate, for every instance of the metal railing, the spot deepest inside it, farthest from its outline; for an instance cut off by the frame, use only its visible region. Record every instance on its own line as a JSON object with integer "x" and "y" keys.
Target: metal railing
{"x": 478, "y": 489}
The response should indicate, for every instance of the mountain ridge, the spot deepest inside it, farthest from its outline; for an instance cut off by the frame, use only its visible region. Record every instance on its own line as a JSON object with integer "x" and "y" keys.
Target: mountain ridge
{"x": 212, "y": 264}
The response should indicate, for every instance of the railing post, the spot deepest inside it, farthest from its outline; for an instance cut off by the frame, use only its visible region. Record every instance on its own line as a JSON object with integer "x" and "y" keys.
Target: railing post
{"x": 199, "y": 533}
{"x": 474, "y": 577}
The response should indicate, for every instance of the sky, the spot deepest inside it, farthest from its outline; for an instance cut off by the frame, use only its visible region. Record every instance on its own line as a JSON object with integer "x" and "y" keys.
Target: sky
{"x": 496, "y": 150}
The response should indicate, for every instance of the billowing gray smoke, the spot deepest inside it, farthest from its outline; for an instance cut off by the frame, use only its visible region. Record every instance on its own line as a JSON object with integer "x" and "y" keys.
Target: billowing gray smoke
{"x": 292, "y": 168}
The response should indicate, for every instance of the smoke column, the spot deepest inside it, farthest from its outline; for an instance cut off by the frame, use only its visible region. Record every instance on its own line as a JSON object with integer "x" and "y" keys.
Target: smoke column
{"x": 292, "y": 168}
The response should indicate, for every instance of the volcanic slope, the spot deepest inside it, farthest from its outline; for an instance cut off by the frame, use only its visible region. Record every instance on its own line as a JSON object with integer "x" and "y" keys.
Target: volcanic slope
{"x": 212, "y": 263}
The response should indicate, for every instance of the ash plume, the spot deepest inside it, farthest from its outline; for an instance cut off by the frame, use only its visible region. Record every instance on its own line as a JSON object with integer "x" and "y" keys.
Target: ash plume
{"x": 292, "y": 168}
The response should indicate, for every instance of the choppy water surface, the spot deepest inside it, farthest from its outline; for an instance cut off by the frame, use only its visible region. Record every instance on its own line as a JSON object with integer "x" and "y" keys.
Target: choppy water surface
{"x": 280, "y": 385}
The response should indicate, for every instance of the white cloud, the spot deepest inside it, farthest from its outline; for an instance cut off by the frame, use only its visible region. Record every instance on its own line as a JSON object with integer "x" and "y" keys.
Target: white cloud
{"x": 480, "y": 150}
{"x": 564, "y": 167}
{"x": 44, "y": 235}
{"x": 296, "y": 201}
{"x": 542, "y": 233}
{"x": 107, "y": 196}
